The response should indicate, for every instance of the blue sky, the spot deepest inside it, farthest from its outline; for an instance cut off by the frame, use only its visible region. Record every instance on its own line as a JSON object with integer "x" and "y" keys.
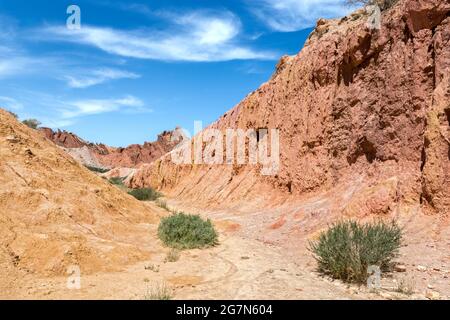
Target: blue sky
{"x": 134, "y": 69}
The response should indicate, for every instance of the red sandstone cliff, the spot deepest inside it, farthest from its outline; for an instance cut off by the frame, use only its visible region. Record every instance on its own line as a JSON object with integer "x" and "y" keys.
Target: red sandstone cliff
{"x": 101, "y": 155}
{"x": 363, "y": 115}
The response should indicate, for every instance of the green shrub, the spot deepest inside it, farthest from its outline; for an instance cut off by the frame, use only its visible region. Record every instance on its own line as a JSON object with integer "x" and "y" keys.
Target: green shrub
{"x": 32, "y": 123}
{"x": 117, "y": 181}
{"x": 96, "y": 169}
{"x": 183, "y": 231}
{"x": 145, "y": 194}
{"x": 348, "y": 248}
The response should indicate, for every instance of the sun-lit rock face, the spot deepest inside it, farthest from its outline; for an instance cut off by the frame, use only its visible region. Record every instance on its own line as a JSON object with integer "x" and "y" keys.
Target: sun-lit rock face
{"x": 55, "y": 213}
{"x": 103, "y": 156}
{"x": 359, "y": 107}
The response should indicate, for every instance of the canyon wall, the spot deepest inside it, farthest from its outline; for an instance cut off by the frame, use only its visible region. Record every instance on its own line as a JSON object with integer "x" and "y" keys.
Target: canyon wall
{"x": 361, "y": 110}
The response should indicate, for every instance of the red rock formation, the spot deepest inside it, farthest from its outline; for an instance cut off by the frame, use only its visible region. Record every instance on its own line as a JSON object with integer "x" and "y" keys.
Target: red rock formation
{"x": 136, "y": 154}
{"x": 109, "y": 157}
{"x": 63, "y": 138}
{"x": 358, "y": 107}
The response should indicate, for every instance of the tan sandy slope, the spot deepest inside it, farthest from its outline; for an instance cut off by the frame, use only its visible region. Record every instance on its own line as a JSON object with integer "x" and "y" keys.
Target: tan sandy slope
{"x": 55, "y": 213}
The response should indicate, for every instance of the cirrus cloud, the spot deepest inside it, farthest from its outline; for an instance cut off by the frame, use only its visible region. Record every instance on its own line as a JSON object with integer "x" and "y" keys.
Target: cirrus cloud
{"x": 10, "y": 103}
{"x": 56, "y": 111}
{"x": 194, "y": 36}
{"x": 79, "y": 108}
{"x": 293, "y": 15}
{"x": 99, "y": 76}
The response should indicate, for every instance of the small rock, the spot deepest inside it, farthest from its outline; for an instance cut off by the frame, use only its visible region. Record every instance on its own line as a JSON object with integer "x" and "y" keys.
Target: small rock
{"x": 321, "y": 22}
{"x": 422, "y": 268}
{"x": 433, "y": 295}
{"x": 400, "y": 268}
{"x": 386, "y": 295}
{"x": 429, "y": 286}
{"x": 436, "y": 269}
{"x": 12, "y": 139}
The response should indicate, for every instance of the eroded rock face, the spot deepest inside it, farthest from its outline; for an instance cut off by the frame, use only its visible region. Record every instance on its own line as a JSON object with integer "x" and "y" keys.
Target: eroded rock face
{"x": 55, "y": 213}
{"x": 355, "y": 103}
{"x": 100, "y": 155}
{"x": 136, "y": 154}
{"x": 63, "y": 138}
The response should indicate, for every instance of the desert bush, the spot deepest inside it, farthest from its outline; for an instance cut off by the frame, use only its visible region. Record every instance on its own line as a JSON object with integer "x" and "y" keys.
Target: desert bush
{"x": 406, "y": 286}
{"x": 96, "y": 169}
{"x": 117, "y": 181}
{"x": 348, "y": 248}
{"x": 32, "y": 123}
{"x": 162, "y": 204}
{"x": 172, "y": 256}
{"x": 145, "y": 194}
{"x": 184, "y": 231}
{"x": 158, "y": 291}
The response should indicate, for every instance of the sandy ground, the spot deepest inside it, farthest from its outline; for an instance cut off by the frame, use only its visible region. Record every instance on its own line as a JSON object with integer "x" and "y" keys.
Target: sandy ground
{"x": 245, "y": 267}
{"x": 236, "y": 269}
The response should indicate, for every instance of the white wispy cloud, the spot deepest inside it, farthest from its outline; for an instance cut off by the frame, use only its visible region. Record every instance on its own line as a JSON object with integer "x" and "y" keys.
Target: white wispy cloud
{"x": 81, "y": 108}
{"x": 13, "y": 60}
{"x": 293, "y": 15}
{"x": 56, "y": 111}
{"x": 194, "y": 36}
{"x": 12, "y": 66}
{"x": 99, "y": 76}
{"x": 10, "y": 103}
{"x": 138, "y": 8}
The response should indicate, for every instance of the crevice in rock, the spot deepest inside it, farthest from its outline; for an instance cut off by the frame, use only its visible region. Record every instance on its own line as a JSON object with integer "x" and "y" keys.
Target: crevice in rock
{"x": 407, "y": 34}
{"x": 349, "y": 68}
{"x": 364, "y": 148}
{"x": 289, "y": 186}
{"x": 423, "y": 156}
{"x": 433, "y": 62}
